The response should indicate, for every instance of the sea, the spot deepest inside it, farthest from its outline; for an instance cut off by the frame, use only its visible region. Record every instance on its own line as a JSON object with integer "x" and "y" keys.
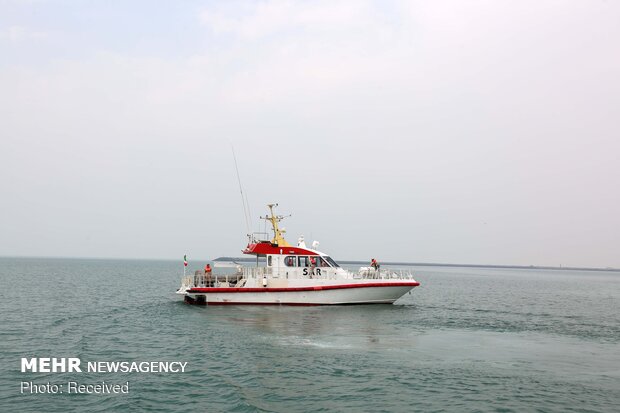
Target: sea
{"x": 466, "y": 340}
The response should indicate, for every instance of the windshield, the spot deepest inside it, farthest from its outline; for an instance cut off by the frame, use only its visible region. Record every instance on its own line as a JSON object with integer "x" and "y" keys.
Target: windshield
{"x": 331, "y": 262}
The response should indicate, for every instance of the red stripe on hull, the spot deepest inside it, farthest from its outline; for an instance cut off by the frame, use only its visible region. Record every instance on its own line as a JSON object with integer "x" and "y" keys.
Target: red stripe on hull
{"x": 259, "y": 303}
{"x": 201, "y": 290}
{"x": 286, "y": 304}
{"x": 293, "y": 304}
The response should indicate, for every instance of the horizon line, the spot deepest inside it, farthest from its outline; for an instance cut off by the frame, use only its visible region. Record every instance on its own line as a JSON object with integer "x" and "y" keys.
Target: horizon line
{"x": 356, "y": 262}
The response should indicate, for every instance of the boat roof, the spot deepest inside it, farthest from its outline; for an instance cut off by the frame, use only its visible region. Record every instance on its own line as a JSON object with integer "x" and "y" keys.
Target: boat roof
{"x": 269, "y": 248}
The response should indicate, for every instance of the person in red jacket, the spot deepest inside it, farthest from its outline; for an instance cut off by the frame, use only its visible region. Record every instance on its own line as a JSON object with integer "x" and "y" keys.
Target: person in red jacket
{"x": 208, "y": 274}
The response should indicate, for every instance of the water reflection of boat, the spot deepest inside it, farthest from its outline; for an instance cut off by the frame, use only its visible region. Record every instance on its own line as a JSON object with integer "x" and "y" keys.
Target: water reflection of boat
{"x": 295, "y": 275}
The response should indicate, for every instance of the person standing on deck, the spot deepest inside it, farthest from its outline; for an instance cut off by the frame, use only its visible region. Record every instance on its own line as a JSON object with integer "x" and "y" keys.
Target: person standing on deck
{"x": 312, "y": 266}
{"x": 208, "y": 274}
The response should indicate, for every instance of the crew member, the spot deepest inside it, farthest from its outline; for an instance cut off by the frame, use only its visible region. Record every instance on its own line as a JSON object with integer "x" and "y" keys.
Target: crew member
{"x": 208, "y": 274}
{"x": 374, "y": 264}
{"x": 312, "y": 266}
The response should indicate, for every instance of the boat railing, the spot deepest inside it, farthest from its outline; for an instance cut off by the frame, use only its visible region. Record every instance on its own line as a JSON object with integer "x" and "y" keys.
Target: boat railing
{"x": 257, "y": 272}
{"x": 260, "y": 272}
{"x": 385, "y": 274}
{"x": 230, "y": 280}
{"x": 187, "y": 282}
{"x": 259, "y": 236}
{"x": 397, "y": 274}
{"x": 202, "y": 280}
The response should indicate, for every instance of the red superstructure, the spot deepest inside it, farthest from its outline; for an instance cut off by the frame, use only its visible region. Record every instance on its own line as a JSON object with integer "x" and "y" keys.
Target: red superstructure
{"x": 268, "y": 248}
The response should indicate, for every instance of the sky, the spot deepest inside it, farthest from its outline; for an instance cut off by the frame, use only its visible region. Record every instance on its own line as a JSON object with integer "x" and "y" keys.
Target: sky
{"x": 478, "y": 132}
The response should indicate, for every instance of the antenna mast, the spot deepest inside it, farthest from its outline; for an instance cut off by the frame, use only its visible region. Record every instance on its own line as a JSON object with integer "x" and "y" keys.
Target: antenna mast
{"x": 278, "y": 237}
{"x": 244, "y": 200}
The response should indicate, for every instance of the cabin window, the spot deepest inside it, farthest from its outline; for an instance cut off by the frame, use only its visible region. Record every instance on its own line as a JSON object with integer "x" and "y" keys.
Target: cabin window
{"x": 303, "y": 262}
{"x": 289, "y": 261}
{"x": 269, "y": 261}
{"x": 318, "y": 262}
{"x": 331, "y": 262}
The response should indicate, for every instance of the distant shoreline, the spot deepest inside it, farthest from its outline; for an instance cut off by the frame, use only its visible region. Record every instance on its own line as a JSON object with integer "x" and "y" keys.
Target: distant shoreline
{"x": 349, "y": 262}
{"x": 432, "y": 264}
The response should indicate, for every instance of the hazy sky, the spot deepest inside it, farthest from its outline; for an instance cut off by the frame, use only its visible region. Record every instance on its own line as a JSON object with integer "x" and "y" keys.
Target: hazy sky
{"x": 429, "y": 131}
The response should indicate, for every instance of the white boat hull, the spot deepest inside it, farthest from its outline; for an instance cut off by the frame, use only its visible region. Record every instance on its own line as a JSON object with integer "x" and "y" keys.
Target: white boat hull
{"x": 335, "y": 294}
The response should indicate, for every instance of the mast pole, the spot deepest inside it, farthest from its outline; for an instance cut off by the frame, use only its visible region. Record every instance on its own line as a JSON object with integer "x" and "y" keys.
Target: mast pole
{"x": 278, "y": 238}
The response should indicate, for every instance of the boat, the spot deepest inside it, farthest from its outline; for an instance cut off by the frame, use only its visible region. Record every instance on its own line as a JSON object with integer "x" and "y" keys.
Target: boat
{"x": 294, "y": 275}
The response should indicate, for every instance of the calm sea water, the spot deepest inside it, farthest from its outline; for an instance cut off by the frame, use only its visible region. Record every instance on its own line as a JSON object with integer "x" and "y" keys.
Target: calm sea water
{"x": 466, "y": 340}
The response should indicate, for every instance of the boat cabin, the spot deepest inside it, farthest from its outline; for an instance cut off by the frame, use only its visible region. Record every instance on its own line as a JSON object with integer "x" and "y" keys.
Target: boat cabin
{"x": 294, "y": 262}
